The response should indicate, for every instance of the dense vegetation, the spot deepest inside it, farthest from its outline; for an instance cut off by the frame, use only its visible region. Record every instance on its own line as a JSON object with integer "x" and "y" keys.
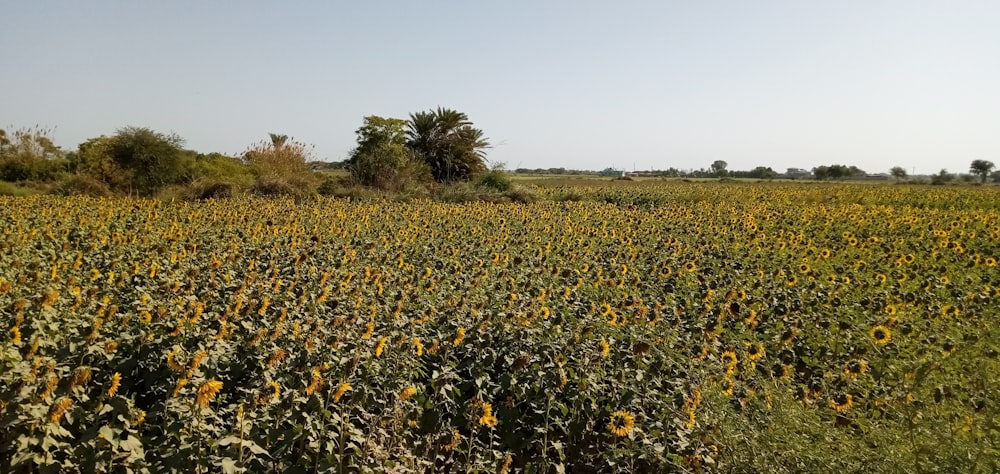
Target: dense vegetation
{"x": 637, "y": 327}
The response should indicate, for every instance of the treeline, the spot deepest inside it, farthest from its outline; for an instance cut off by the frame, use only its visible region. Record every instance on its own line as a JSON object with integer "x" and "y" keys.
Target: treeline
{"x": 138, "y": 161}
{"x": 430, "y": 148}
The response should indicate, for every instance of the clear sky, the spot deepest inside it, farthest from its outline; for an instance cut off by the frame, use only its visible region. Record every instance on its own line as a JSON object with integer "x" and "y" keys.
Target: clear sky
{"x": 576, "y": 84}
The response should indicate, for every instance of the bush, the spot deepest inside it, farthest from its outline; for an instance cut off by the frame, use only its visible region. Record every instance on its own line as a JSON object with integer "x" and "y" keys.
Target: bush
{"x": 11, "y": 189}
{"x": 209, "y": 189}
{"x": 82, "y": 185}
{"x": 496, "y": 180}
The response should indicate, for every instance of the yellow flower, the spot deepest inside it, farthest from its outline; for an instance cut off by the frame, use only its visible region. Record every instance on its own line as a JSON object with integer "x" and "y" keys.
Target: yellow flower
{"x": 622, "y": 423}
{"x": 459, "y": 336}
{"x": 275, "y": 389}
{"x": 207, "y": 392}
{"x": 605, "y": 348}
{"x": 842, "y": 402}
{"x": 59, "y": 408}
{"x": 488, "y": 419}
{"x": 418, "y": 347}
{"x": 380, "y": 346}
{"x": 407, "y": 392}
{"x": 880, "y": 335}
{"x": 341, "y": 390}
{"x": 116, "y": 382}
{"x": 317, "y": 382}
{"x": 15, "y": 335}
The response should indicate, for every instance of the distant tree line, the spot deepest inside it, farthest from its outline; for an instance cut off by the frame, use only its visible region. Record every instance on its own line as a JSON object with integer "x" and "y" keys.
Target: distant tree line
{"x": 439, "y": 146}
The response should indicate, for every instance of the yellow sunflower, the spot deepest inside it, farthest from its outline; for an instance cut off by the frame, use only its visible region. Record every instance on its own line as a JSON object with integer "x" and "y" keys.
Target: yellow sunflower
{"x": 880, "y": 335}
{"x": 622, "y": 423}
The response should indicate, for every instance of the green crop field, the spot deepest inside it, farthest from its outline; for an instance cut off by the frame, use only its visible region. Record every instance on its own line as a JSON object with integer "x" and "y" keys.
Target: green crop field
{"x": 648, "y": 326}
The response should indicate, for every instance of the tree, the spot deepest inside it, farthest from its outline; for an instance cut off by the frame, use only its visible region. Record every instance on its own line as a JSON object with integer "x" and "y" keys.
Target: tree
{"x": 382, "y": 158}
{"x": 762, "y": 172}
{"x": 898, "y": 172}
{"x": 29, "y": 154}
{"x": 446, "y": 140}
{"x": 981, "y": 168}
{"x": 942, "y": 177}
{"x": 719, "y": 168}
{"x": 152, "y": 159}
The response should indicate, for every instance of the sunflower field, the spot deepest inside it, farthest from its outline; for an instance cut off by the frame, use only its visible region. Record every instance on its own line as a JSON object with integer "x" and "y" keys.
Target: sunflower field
{"x": 642, "y": 327}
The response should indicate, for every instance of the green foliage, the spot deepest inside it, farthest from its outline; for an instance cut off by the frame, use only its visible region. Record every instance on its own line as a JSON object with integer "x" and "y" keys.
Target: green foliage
{"x": 898, "y": 172}
{"x": 982, "y": 168}
{"x": 651, "y": 327}
{"x": 220, "y": 168}
{"x": 446, "y": 140}
{"x": 280, "y": 166}
{"x": 28, "y": 154}
{"x": 382, "y": 159}
{"x": 943, "y": 177}
{"x": 837, "y": 172}
{"x": 497, "y": 179}
{"x": 719, "y": 168}
{"x": 150, "y": 159}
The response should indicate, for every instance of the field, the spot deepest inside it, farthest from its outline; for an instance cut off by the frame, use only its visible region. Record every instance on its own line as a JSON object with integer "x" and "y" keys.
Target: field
{"x": 653, "y": 326}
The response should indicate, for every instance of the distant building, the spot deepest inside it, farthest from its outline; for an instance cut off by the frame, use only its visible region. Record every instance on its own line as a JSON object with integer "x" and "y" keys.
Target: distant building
{"x": 797, "y": 173}
{"x": 611, "y": 172}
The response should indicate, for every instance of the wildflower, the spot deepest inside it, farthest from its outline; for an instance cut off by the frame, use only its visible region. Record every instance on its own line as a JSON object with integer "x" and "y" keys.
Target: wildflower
{"x": 407, "y": 392}
{"x": 622, "y": 423}
{"x": 207, "y": 392}
{"x": 341, "y": 390}
{"x": 116, "y": 383}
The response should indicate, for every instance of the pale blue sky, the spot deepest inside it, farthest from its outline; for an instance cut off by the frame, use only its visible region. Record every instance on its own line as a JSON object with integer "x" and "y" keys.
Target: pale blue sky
{"x": 577, "y": 84}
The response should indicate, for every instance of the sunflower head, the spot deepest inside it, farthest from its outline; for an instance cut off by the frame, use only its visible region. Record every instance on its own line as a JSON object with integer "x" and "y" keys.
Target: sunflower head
{"x": 880, "y": 335}
{"x": 622, "y": 423}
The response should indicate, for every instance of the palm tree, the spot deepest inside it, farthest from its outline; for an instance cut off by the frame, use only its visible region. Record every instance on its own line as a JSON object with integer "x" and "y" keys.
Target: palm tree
{"x": 448, "y": 143}
{"x": 278, "y": 140}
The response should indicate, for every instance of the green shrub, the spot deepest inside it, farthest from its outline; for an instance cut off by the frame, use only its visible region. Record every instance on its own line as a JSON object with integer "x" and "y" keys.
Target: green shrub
{"x": 83, "y": 185}
{"x": 496, "y": 180}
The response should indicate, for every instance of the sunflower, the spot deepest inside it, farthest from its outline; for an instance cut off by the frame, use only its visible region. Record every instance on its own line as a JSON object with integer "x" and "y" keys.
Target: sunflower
{"x": 855, "y": 367}
{"x": 341, "y": 390}
{"x": 207, "y": 392}
{"x": 730, "y": 360}
{"x": 842, "y": 402}
{"x": 488, "y": 419}
{"x": 728, "y": 386}
{"x": 622, "y": 423}
{"x": 880, "y": 335}
{"x": 407, "y": 392}
{"x": 991, "y": 262}
{"x": 690, "y": 266}
{"x": 116, "y": 383}
{"x": 755, "y": 351}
